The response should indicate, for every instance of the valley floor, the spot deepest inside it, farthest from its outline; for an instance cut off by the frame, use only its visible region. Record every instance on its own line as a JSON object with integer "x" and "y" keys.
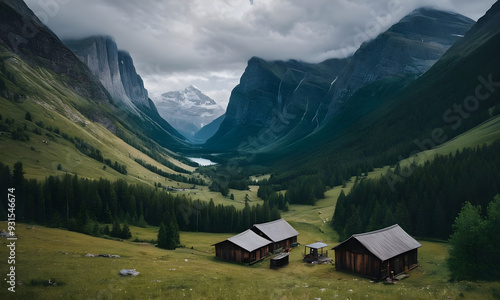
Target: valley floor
{"x": 193, "y": 272}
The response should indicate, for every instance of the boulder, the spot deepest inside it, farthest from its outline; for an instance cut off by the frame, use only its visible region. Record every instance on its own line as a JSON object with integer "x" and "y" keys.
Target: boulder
{"x": 129, "y": 272}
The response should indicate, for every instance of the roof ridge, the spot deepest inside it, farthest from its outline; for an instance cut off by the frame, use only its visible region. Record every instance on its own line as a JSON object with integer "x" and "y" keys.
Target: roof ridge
{"x": 242, "y": 233}
{"x": 376, "y": 231}
{"x": 270, "y": 222}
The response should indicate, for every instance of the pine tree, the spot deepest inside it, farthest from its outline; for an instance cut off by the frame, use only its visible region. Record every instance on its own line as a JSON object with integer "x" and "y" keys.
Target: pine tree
{"x": 467, "y": 243}
{"x": 116, "y": 231}
{"x": 162, "y": 237}
{"x": 339, "y": 216}
{"x": 493, "y": 238}
{"x": 18, "y": 183}
{"x": 96, "y": 231}
{"x": 353, "y": 225}
{"x": 275, "y": 214}
{"x": 106, "y": 230}
{"x": 18, "y": 175}
{"x": 126, "y": 234}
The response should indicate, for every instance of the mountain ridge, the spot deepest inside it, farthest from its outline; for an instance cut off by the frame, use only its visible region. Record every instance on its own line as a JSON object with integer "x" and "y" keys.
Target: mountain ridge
{"x": 410, "y": 117}
{"x": 314, "y": 93}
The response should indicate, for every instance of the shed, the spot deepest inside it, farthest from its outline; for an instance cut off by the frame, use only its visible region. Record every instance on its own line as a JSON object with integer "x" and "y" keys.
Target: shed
{"x": 279, "y": 260}
{"x": 247, "y": 247}
{"x": 316, "y": 253}
{"x": 378, "y": 254}
{"x": 282, "y": 234}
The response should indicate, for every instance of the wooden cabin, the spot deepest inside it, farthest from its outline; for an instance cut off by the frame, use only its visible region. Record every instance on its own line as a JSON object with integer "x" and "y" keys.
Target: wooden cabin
{"x": 282, "y": 234}
{"x": 246, "y": 247}
{"x": 378, "y": 254}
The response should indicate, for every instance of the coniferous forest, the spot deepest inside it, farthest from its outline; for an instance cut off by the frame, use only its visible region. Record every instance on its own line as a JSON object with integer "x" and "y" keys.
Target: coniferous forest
{"x": 423, "y": 199}
{"x": 83, "y": 205}
{"x": 475, "y": 251}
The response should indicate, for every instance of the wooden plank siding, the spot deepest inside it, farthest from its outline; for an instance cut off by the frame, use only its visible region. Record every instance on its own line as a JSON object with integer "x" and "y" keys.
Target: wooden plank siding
{"x": 231, "y": 252}
{"x": 365, "y": 265}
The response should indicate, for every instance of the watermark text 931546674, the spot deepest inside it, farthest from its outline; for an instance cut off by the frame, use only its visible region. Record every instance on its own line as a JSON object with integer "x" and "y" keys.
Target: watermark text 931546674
{"x": 12, "y": 239}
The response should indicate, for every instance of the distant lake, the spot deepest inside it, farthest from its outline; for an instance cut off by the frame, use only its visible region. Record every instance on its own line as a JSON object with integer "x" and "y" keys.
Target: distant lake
{"x": 202, "y": 161}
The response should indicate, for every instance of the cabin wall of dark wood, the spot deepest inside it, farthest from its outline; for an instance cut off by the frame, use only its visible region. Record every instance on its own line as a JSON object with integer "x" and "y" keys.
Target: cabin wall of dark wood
{"x": 364, "y": 264}
{"x": 401, "y": 263}
{"x": 368, "y": 265}
{"x": 231, "y": 252}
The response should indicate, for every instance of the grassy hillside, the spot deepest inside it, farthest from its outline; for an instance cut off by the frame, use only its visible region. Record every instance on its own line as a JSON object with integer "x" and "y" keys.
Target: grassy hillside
{"x": 52, "y": 105}
{"x": 485, "y": 133}
{"x": 44, "y": 254}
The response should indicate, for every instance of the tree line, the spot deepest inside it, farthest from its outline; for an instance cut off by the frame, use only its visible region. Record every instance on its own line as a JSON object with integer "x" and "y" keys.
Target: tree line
{"x": 222, "y": 180}
{"x": 475, "y": 243}
{"x": 82, "y": 204}
{"x": 305, "y": 189}
{"x": 425, "y": 199}
{"x": 165, "y": 174}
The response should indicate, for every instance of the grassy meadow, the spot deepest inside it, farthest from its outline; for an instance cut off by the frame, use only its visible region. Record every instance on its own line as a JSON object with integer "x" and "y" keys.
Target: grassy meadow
{"x": 193, "y": 272}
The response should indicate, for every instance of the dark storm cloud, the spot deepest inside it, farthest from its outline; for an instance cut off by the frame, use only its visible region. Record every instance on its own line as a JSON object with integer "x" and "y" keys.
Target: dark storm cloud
{"x": 207, "y": 43}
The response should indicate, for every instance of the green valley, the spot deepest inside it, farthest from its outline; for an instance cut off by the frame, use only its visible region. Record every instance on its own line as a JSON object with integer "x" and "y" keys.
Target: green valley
{"x": 401, "y": 131}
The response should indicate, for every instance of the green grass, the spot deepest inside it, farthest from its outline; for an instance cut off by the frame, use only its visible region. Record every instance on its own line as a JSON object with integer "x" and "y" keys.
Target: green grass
{"x": 44, "y": 254}
{"x": 485, "y": 133}
{"x": 315, "y": 220}
{"x": 204, "y": 194}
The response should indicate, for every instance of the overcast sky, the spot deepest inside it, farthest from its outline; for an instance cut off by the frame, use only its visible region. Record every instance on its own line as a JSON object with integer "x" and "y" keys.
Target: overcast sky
{"x": 208, "y": 43}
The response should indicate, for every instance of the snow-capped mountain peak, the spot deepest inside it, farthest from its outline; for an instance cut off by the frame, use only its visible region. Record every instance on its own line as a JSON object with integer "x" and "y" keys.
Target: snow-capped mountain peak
{"x": 188, "y": 110}
{"x": 190, "y": 96}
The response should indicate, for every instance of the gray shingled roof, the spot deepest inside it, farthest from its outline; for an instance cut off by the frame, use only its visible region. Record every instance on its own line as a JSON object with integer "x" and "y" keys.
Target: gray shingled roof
{"x": 386, "y": 243}
{"x": 277, "y": 230}
{"x": 249, "y": 240}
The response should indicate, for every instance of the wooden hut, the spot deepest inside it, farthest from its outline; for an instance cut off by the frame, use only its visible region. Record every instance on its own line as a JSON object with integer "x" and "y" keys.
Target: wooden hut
{"x": 316, "y": 253}
{"x": 282, "y": 234}
{"x": 247, "y": 247}
{"x": 378, "y": 254}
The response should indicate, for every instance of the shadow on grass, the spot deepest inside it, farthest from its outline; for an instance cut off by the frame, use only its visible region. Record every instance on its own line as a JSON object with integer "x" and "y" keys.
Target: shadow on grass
{"x": 46, "y": 283}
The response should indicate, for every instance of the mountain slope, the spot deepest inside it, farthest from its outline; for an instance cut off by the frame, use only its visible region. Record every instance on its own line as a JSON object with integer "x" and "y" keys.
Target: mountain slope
{"x": 209, "y": 130}
{"x": 439, "y": 105}
{"x": 268, "y": 93}
{"x": 188, "y": 110}
{"x": 55, "y": 112}
{"x": 409, "y": 47}
{"x": 298, "y": 98}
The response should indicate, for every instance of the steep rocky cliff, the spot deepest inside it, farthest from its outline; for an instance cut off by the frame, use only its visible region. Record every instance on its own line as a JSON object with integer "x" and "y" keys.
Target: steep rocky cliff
{"x": 115, "y": 69}
{"x": 132, "y": 82}
{"x": 296, "y": 98}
